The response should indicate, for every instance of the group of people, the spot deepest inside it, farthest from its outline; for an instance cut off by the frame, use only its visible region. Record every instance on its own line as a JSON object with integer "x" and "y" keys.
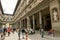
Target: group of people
{"x": 51, "y": 31}
{"x": 25, "y": 31}
{"x": 3, "y": 32}
{"x": 31, "y": 31}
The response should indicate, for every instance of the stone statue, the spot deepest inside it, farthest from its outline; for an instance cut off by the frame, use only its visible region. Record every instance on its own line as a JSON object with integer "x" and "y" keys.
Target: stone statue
{"x": 55, "y": 15}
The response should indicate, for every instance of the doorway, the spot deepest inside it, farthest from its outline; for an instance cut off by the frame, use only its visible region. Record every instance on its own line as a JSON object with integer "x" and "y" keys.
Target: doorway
{"x": 47, "y": 22}
{"x": 46, "y": 19}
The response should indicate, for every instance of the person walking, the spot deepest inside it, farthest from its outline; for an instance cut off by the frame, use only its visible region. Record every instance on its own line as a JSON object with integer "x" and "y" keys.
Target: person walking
{"x": 4, "y": 32}
{"x": 23, "y": 32}
{"x": 19, "y": 33}
{"x": 1, "y": 33}
{"x": 42, "y": 33}
{"x": 8, "y": 30}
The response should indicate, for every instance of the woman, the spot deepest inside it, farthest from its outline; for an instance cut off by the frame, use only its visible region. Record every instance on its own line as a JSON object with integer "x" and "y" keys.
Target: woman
{"x": 8, "y": 30}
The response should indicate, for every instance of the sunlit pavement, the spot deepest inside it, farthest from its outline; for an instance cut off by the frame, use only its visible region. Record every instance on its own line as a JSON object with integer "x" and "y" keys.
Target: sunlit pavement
{"x": 38, "y": 37}
{"x": 31, "y": 37}
{"x": 14, "y": 37}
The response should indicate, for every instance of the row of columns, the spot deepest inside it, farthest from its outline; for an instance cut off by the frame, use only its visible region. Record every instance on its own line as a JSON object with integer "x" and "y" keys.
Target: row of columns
{"x": 33, "y": 19}
{"x": 55, "y": 25}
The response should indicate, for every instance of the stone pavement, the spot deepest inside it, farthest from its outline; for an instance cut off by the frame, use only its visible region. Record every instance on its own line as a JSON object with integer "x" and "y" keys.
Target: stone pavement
{"x": 36, "y": 36}
{"x": 14, "y": 37}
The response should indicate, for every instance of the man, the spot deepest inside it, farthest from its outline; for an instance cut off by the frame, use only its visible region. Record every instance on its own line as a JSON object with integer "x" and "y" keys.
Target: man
{"x": 19, "y": 33}
{"x": 1, "y": 33}
{"x": 42, "y": 33}
{"x": 4, "y": 31}
{"x": 8, "y": 30}
{"x": 23, "y": 32}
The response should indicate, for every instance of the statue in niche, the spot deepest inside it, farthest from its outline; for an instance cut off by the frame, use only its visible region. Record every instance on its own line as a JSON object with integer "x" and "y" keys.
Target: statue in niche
{"x": 55, "y": 14}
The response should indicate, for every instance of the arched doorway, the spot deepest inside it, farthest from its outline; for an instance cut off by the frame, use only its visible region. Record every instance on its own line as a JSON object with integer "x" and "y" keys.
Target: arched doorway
{"x": 46, "y": 19}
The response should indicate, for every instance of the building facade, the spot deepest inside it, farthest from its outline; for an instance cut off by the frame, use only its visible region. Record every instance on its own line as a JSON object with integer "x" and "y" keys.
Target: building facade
{"x": 38, "y": 14}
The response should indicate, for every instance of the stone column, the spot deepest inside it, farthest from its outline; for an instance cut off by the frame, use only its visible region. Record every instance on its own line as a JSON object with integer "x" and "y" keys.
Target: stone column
{"x": 40, "y": 19}
{"x": 33, "y": 22}
{"x": 10, "y": 25}
{"x": 28, "y": 22}
{"x": 0, "y": 24}
{"x": 20, "y": 24}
